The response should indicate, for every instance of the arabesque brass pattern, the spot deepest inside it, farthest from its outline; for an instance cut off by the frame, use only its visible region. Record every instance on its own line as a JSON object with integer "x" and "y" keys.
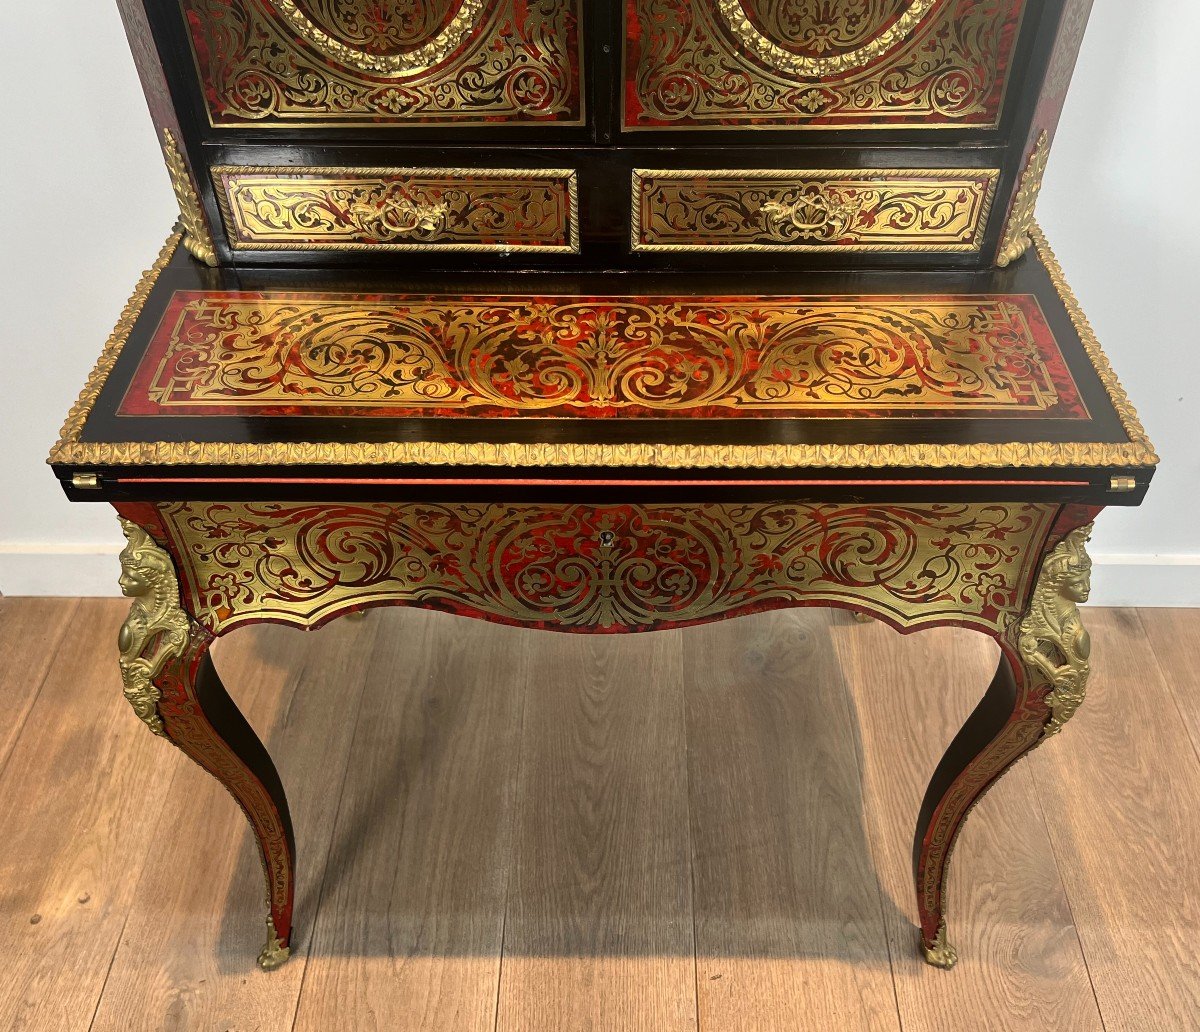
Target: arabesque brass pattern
{"x": 1137, "y": 451}
{"x": 268, "y": 63}
{"x": 811, "y": 209}
{"x": 399, "y": 209}
{"x": 344, "y": 18}
{"x": 606, "y": 568}
{"x": 707, "y": 357}
{"x": 823, "y": 26}
{"x": 1049, "y": 649}
{"x": 798, "y": 64}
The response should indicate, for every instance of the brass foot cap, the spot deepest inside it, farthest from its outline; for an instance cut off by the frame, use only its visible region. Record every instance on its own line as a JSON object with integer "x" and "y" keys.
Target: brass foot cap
{"x": 274, "y": 953}
{"x": 941, "y": 954}
{"x": 273, "y": 956}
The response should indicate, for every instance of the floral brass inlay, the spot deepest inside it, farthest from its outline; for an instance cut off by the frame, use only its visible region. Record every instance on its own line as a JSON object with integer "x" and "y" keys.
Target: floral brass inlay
{"x": 824, "y": 25}
{"x": 350, "y": 19}
{"x": 606, "y": 568}
{"x": 797, "y": 63}
{"x": 284, "y": 62}
{"x": 811, "y": 209}
{"x": 399, "y": 209}
{"x": 1137, "y": 451}
{"x": 598, "y": 356}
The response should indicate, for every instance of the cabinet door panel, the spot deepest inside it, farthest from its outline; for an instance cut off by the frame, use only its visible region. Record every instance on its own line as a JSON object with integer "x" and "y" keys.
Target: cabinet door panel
{"x": 855, "y": 64}
{"x": 286, "y": 63}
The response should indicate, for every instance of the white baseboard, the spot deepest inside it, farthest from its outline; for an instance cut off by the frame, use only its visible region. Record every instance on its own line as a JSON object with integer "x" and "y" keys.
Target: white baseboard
{"x": 85, "y": 570}
{"x": 89, "y": 571}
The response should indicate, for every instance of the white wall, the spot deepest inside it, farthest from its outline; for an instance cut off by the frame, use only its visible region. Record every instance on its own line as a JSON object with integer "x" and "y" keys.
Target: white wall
{"x": 86, "y": 203}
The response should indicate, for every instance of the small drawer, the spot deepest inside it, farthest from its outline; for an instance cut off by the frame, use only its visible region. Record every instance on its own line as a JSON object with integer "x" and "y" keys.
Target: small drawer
{"x": 811, "y": 209}
{"x": 399, "y": 209}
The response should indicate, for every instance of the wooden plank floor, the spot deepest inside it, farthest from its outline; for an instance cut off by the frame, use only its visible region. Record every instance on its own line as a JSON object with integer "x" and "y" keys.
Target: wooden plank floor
{"x": 699, "y": 831}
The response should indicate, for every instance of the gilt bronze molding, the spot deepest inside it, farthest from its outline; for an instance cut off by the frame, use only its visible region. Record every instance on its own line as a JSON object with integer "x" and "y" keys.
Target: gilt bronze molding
{"x": 156, "y": 630}
{"x": 196, "y": 236}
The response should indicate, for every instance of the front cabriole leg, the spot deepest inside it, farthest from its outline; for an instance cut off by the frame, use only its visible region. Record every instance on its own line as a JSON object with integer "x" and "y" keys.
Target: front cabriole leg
{"x": 173, "y": 687}
{"x": 1039, "y": 686}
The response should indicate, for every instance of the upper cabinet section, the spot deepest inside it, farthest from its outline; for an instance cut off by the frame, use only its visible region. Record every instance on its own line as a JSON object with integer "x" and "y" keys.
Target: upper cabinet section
{"x": 818, "y": 64}
{"x": 279, "y": 64}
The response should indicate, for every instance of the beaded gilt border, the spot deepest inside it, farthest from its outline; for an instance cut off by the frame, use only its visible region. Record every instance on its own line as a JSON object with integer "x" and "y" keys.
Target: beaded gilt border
{"x": 70, "y": 450}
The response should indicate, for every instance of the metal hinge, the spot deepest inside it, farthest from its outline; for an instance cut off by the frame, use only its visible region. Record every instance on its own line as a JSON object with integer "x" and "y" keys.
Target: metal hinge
{"x": 1122, "y": 485}
{"x": 86, "y": 481}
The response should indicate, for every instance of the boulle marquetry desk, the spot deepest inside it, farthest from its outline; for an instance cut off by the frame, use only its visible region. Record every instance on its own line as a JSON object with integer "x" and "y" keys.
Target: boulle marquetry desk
{"x": 605, "y": 317}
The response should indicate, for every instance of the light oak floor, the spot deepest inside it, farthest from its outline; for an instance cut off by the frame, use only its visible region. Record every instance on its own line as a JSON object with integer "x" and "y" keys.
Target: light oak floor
{"x": 703, "y": 830}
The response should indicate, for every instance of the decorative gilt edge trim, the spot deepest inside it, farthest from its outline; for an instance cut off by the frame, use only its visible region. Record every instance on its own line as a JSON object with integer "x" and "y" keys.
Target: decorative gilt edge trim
{"x": 1018, "y": 228}
{"x": 415, "y": 62}
{"x": 196, "y": 236}
{"x": 640, "y": 175}
{"x": 71, "y": 451}
{"x": 785, "y": 61}
{"x": 68, "y": 443}
{"x": 1140, "y": 451}
{"x": 569, "y": 176}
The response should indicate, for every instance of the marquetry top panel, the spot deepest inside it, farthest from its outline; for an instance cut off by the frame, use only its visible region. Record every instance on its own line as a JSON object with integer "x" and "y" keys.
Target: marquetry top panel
{"x": 814, "y": 64}
{"x": 601, "y": 357}
{"x": 280, "y": 63}
{"x": 871, "y": 371}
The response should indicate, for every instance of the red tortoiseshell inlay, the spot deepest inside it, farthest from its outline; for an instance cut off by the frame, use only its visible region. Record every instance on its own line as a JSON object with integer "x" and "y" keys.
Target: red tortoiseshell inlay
{"x": 393, "y": 62}
{"x": 603, "y": 357}
{"x": 701, "y": 64}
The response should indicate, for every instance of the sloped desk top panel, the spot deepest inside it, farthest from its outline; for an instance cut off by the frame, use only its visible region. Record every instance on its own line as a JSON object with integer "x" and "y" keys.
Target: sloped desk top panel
{"x": 853, "y": 375}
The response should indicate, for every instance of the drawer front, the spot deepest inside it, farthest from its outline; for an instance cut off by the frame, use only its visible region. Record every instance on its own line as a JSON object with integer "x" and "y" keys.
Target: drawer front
{"x": 811, "y": 209}
{"x": 289, "y": 63}
{"x": 853, "y": 64}
{"x": 399, "y": 209}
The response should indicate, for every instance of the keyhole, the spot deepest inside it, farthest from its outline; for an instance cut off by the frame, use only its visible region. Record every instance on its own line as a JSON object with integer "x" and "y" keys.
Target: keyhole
{"x": 607, "y": 537}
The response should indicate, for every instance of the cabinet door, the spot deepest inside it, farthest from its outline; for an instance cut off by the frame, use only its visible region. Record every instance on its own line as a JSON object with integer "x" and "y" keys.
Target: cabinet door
{"x": 395, "y": 63}
{"x": 818, "y": 64}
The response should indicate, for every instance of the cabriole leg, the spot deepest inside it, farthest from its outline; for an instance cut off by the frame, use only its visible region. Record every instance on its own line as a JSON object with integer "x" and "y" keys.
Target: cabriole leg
{"x": 1038, "y": 687}
{"x": 171, "y": 683}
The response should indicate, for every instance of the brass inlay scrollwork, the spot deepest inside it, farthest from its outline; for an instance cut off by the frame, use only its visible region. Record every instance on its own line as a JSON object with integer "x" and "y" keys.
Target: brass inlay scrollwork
{"x": 595, "y": 357}
{"x": 156, "y": 629}
{"x": 1018, "y": 230}
{"x": 196, "y": 237}
{"x": 1136, "y": 451}
{"x": 784, "y": 60}
{"x": 811, "y": 209}
{"x": 399, "y": 209}
{"x": 271, "y": 64}
{"x": 1055, "y": 646}
{"x": 411, "y": 62}
{"x": 606, "y": 567}
{"x": 712, "y": 64}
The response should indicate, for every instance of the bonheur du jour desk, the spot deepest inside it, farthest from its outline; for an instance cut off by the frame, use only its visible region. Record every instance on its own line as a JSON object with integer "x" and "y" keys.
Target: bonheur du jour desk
{"x": 551, "y": 314}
